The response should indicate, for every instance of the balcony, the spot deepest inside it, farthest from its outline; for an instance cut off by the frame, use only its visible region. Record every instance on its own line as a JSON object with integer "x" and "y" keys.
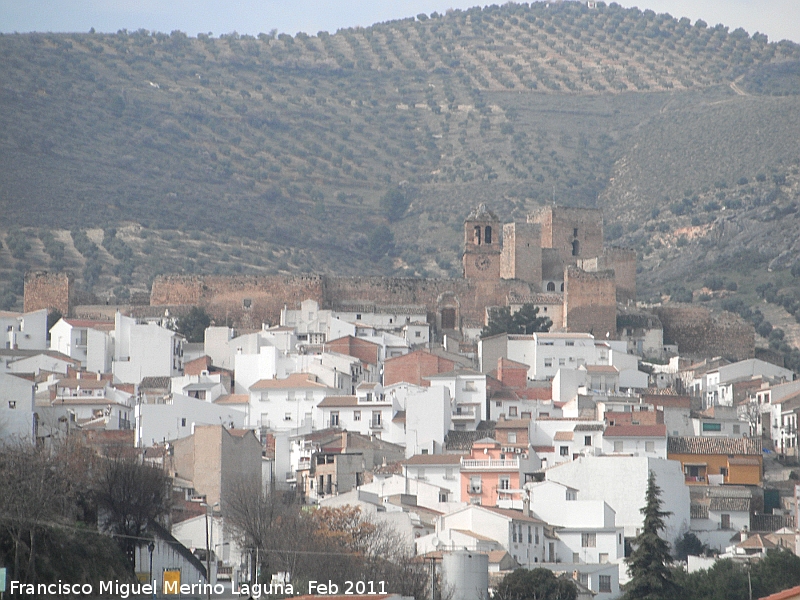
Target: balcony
{"x": 463, "y": 414}
{"x": 468, "y": 464}
{"x": 376, "y": 425}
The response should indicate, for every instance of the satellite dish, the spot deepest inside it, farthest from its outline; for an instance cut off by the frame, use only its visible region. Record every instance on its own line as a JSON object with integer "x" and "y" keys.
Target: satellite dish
{"x": 436, "y": 542}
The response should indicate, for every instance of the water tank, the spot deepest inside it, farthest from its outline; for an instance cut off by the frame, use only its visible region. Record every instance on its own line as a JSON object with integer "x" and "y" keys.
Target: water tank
{"x": 465, "y": 575}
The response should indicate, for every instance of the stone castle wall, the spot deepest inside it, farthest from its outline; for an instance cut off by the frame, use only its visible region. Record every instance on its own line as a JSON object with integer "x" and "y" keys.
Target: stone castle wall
{"x": 590, "y": 302}
{"x": 701, "y": 334}
{"x": 48, "y": 290}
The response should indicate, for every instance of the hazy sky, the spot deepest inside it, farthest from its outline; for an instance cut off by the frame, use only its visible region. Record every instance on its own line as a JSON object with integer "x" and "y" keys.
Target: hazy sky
{"x": 779, "y": 19}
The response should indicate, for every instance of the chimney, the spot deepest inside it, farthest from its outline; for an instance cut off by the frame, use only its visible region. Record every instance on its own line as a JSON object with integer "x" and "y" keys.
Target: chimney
{"x": 526, "y": 506}
{"x": 743, "y": 535}
{"x": 344, "y": 441}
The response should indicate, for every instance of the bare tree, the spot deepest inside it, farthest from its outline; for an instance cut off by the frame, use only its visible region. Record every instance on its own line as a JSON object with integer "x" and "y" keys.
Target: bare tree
{"x": 33, "y": 493}
{"x": 129, "y": 495}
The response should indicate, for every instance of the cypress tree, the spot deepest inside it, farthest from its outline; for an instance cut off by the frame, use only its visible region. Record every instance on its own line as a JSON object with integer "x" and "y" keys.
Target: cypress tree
{"x": 651, "y": 577}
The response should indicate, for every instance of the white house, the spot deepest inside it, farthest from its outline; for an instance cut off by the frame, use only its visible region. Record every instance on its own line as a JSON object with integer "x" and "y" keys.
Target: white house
{"x": 522, "y": 535}
{"x": 71, "y": 336}
{"x": 443, "y": 470}
{"x": 621, "y": 481}
{"x": 428, "y": 416}
{"x": 146, "y": 350}
{"x": 468, "y": 393}
{"x": 636, "y": 440}
{"x": 288, "y": 404}
{"x": 16, "y": 408}
{"x": 370, "y": 412}
{"x": 24, "y": 331}
{"x": 176, "y": 418}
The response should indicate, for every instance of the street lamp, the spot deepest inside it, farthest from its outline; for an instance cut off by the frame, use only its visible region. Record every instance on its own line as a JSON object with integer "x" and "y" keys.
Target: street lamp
{"x": 208, "y": 546}
{"x": 150, "y": 547}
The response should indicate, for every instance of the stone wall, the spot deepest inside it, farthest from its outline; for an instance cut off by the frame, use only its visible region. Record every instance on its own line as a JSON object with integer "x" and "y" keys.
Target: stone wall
{"x": 699, "y": 333}
{"x": 522, "y": 253}
{"x": 574, "y": 232}
{"x": 623, "y": 262}
{"x": 590, "y": 303}
{"x": 49, "y": 291}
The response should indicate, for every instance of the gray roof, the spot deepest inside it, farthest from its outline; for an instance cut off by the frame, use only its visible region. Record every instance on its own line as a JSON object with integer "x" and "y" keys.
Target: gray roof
{"x": 714, "y": 445}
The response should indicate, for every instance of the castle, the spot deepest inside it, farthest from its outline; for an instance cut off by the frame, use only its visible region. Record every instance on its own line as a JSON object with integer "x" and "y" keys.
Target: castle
{"x": 555, "y": 260}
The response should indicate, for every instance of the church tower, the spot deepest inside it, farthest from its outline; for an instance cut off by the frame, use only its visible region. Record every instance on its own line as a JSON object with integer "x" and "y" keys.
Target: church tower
{"x": 482, "y": 245}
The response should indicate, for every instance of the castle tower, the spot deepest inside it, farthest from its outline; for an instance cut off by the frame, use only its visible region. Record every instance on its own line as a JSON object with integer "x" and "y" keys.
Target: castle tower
{"x": 482, "y": 245}
{"x": 522, "y": 253}
{"x": 575, "y": 232}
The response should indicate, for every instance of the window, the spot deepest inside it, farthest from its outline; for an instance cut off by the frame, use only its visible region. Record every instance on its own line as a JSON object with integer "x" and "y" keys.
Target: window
{"x": 569, "y": 343}
{"x": 530, "y": 535}
{"x": 417, "y": 334}
{"x": 712, "y": 426}
{"x": 287, "y": 416}
{"x": 587, "y": 440}
{"x": 505, "y": 483}
{"x": 12, "y": 404}
{"x": 475, "y": 484}
{"x": 551, "y": 287}
{"x": 183, "y": 422}
{"x": 421, "y": 474}
{"x": 650, "y": 446}
{"x": 469, "y": 386}
{"x": 247, "y": 303}
{"x": 604, "y": 583}
{"x": 356, "y": 415}
{"x": 588, "y": 540}
{"x": 498, "y": 404}
{"x": 512, "y": 437}
{"x": 562, "y": 362}
{"x": 334, "y": 418}
{"x": 723, "y": 471}
{"x": 725, "y": 521}
{"x": 548, "y": 362}
{"x": 376, "y": 418}
{"x": 512, "y": 411}
{"x": 619, "y": 539}
{"x": 564, "y": 450}
{"x": 442, "y": 496}
{"x": 618, "y": 446}
{"x": 603, "y": 557}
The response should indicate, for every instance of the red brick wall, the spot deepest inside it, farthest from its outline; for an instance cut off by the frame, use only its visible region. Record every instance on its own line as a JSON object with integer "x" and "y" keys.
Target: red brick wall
{"x": 413, "y": 367}
{"x": 361, "y": 349}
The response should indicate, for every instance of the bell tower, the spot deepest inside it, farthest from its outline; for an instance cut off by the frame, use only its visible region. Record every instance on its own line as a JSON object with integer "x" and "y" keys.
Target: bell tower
{"x": 482, "y": 245}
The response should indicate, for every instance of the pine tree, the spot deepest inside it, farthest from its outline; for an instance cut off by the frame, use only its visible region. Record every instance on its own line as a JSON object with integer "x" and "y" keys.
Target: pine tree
{"x": 651, "y": 577}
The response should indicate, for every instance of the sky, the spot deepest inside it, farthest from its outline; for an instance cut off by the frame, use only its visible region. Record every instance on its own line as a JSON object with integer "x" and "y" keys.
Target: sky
{"x": 779, "y": 19}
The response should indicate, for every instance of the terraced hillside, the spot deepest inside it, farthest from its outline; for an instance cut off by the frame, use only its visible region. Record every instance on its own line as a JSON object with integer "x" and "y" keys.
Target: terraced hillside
{"x": 361, "y": 151}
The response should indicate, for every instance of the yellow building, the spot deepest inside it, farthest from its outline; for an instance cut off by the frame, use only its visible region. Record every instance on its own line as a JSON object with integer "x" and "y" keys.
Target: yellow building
{"x": 728, "y": 460}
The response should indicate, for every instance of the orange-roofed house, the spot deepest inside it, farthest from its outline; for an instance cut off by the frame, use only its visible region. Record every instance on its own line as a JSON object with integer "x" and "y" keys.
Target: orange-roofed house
{"x": 492, "y": 476}
{"x": 726, "y": 460}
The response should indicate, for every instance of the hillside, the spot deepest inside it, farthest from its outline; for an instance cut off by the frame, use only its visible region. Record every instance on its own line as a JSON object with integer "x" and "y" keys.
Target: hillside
{"x": 361, "y": 151}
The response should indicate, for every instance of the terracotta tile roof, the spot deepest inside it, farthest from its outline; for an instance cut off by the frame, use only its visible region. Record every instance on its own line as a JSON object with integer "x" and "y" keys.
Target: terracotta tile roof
{"x": 517, "y": 515}
{"x": 334, "y": 401}
{"x": 659, "y": 431}
{"x": 729, "y": 504}
{"x": 435, "y": 459}
{"x": 588, "y": 427}
{"x": 544, "y": 448}
{"x": 790, "y": 594}
{"x": 472, "y": 534}
{"x": 295, "y": 380}
{"x": 714, "y": 445}
{"x": 86, "y": 384}
{"x": 563, "y": 436}
{"x": 744, "y": 462}
{"x": 150, "y": 383}
{"x": 90, "y": 323}
{"x": 513, "y": 424}
{"x": 233, "y": 399}
{"x": 610, "y": 369}
{"x": 698, "y": 511}
{"x": 756, "y": 541}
